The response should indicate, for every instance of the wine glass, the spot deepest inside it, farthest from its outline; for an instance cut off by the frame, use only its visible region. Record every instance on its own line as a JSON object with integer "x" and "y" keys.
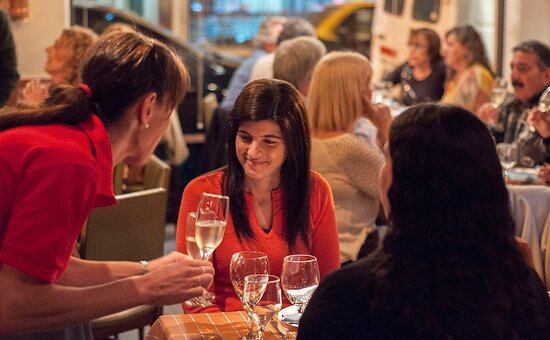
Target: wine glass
{"x": 300, "y": 277}
{"x": 242, "y": 264}
{"x": 544, "y": 101}
{"x": 193, "y": 251}
{"x": 507, "y": 154}
{"x": 211, "y": 221}
{"x": 210, "y": 226}
{"x": 498, "y": 92}
{"x": 262, "y": 297}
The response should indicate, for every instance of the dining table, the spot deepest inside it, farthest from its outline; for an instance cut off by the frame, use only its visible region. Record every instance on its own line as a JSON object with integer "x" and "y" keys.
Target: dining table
{"x": 218, "y": 325}
{"x": 530, "y": 208}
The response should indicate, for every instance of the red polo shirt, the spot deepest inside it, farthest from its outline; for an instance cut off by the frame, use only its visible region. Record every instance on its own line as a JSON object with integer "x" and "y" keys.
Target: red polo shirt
{"x": 51, "y": 176}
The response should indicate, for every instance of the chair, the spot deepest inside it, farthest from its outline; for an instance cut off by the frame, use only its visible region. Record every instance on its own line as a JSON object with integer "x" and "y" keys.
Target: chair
{"x": 132, "y": 230}
{"x": 157, "y": 174}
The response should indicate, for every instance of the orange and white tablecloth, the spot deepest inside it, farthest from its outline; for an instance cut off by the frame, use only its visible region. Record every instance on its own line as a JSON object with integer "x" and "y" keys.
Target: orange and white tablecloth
{"x": 222, "y": 325}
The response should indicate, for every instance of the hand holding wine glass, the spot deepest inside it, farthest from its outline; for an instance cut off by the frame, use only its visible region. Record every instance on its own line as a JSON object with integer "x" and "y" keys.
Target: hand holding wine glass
{"x": 300, "y": 277}
{"x": 539, "y": 117}
{"x": 262, "y": 296}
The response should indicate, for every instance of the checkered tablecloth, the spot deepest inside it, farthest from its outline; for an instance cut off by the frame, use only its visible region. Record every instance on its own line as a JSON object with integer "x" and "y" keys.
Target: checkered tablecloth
{"x": 223, "y": 325}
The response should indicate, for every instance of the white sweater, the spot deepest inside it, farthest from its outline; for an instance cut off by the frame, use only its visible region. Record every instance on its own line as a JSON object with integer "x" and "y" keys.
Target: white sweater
{"x": 351, "y": 167}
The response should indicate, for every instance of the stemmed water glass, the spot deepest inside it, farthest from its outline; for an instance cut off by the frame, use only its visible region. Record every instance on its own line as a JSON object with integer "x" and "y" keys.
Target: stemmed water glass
{"x": 498, "y": 92}
{"x": 242, "y": 264}
{"x": 507, "y": 154}
{"x": 262, "y": 298}
{"x": 300, "y": 277}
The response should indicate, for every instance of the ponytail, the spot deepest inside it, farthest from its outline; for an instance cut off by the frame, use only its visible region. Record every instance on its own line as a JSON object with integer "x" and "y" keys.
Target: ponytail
{"x": 66, "y": 104}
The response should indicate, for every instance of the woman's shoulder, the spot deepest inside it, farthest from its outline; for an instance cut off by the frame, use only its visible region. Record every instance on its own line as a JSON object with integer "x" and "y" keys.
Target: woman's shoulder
{"x": 318, "y": 182}
{"x": 211, "y": 181}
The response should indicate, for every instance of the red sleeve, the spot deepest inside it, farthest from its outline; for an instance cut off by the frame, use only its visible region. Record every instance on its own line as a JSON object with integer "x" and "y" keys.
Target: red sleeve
{"x": 189, "y": 203}
{"x": 48, "y": 212}
{"x": 324, "y": 241}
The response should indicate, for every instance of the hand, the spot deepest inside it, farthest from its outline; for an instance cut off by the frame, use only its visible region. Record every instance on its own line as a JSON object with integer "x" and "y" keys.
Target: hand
{"x": 541, "y": 121}
{"x": 378, "y": 114}
{"x": 34, "y": 93}
{"x": 173, "y": 257}
{"x": 488, "y": 114}
{"x": 175, "y": 279}
{"x": 544, "y": 172}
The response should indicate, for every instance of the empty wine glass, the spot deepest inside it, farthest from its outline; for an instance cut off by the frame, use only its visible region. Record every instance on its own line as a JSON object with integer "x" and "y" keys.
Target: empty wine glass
{"x": 507, "y": 154}
{"x": 242, "y": 264}
{"x": 262, "y": 296}
{"x": 498, "y": 92}
{"x": 300, "y": 277}
{"x": 380, "y": 92}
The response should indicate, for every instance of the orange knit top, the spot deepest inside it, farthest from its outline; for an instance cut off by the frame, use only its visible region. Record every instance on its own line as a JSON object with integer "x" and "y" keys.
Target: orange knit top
{"x": 323, "y": 235}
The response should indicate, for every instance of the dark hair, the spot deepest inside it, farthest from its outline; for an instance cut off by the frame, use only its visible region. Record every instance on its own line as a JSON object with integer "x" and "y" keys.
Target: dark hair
{"x": 296, "y": 27}
{"x": 279, "y": 101}
{"x": 434, "y": 43}
{"x": 119, "y": 69}
{"x": 471, "y": 39}
{"x": 450, "y": 266}
{"x": 538, "y": 48}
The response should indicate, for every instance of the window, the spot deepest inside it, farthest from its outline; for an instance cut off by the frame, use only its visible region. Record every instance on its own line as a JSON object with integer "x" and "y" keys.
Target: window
{"x": 426, "y": 10}
{"x": 394, "y": 6}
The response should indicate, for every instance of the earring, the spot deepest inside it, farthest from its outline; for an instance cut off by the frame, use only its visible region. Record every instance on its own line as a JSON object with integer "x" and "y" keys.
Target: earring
{"x": 146, "y": 125}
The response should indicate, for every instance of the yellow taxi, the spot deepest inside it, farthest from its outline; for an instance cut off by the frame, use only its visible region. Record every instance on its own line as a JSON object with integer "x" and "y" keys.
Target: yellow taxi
{"x": 346, "y": 26}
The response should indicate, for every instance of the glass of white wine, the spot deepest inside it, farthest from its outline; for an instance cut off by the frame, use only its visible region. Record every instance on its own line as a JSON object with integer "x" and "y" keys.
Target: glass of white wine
{"x": 300, "y": 277}
{"x": 242, "y": 264}
{"x": 507, "y": 154}
{"x": 498, "y": 92}
{"x": 262, "y": 296}
{"x": 210, "y": 225}
{"x": 193, "y": 251}
{"x": 211, "y": 221}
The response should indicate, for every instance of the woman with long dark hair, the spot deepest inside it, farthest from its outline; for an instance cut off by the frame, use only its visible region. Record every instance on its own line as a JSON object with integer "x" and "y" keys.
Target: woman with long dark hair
{"x": 277, "y": 205}
{"x": 56, "y": 164}
{"x": 450, "y": 267}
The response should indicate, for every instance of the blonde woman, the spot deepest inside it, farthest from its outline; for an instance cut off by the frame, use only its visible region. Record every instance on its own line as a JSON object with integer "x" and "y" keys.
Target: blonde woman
{"x": 339, "y": 94}
{"x": 63, "y": 61}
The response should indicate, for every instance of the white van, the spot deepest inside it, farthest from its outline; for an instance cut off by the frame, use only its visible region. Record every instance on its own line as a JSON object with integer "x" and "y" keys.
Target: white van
{"x": 394, "y": 19}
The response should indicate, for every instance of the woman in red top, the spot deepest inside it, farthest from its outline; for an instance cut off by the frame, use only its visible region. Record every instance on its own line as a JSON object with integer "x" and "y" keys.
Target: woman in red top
{"x": 56, "y": 165}
{"x": 277, "y": 205}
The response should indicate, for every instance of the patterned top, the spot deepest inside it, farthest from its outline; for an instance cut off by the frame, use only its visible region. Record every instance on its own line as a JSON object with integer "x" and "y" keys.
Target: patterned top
{"x": 463, "y": 90}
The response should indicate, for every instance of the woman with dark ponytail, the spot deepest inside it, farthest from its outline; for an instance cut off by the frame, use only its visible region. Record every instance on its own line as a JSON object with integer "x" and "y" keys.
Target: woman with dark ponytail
{"x": 56, "y": 165}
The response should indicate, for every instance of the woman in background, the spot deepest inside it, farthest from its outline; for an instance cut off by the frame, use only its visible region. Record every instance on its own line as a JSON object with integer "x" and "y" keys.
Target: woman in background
{"x": 469, "y": 76}
{"x": 450, "y": 267}
{"x": 339, "y": 95}
{"x": 63, "y": 62}
{"x": 277, "y": 205}
{"x": 422, "y": 77}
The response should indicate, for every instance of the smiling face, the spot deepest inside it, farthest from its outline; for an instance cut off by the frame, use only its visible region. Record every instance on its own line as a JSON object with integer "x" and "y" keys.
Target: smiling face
{"x": 527, "y": 77}
{"x": 261, "y": 150}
